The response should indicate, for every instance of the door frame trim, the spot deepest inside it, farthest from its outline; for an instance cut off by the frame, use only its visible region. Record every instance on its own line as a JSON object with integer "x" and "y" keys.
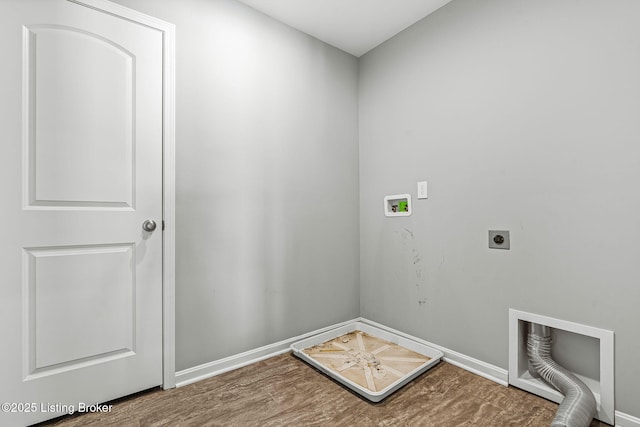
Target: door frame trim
{"x": 168, "y": 174}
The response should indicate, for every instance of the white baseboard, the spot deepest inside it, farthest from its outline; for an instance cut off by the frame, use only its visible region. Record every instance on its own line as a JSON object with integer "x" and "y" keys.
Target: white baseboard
{"x": 217, "y": 367}
{"x": 230, "y": 363}
{"x": 625, "y": 420}
{"x": 478, "y": 367}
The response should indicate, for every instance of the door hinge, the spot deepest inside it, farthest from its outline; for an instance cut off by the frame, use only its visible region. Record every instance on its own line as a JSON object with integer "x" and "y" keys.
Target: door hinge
{"x": 163, "y": 225}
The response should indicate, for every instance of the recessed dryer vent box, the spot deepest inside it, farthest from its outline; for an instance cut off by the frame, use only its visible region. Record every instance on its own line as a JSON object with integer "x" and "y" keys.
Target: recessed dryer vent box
{"x": 397, "y": 205}
{"x": 593, "y": 346}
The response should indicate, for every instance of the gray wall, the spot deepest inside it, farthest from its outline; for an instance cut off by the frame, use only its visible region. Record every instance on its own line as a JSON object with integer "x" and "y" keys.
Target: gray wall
{"x": 267, "y": 180}
{"x": 522, "y": 115}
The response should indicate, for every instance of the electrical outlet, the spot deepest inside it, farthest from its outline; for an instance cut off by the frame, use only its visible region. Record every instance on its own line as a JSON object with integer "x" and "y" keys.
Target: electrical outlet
{"x": 499, "y": 239}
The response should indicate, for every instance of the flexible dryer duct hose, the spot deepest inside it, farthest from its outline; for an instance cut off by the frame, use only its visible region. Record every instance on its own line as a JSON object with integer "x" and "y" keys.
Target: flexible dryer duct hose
{"x": 579, "y": 406}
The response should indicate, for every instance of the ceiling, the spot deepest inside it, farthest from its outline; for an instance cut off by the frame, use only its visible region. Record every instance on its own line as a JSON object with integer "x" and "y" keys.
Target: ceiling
{"x": 355, "y": 26}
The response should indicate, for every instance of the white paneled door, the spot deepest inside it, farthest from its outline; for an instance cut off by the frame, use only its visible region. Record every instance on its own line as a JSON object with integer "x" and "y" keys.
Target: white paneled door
{"x": 81, "y": 108}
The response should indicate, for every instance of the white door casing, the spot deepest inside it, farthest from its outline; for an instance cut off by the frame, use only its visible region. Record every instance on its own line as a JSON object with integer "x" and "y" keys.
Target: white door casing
{"x": 86, "y": 112}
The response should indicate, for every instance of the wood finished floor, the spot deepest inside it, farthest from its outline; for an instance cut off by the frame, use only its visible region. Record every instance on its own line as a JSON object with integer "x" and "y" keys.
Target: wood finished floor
{"x": 284, "y": 391}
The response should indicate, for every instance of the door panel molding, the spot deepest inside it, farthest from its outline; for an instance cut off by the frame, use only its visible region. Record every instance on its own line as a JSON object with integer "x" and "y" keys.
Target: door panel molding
{"x": 52, "y": 134}
{"x": 54, "y": 341}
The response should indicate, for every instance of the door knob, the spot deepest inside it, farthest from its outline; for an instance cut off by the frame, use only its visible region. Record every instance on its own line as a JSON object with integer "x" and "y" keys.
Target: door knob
{"x": 149, "y": 225}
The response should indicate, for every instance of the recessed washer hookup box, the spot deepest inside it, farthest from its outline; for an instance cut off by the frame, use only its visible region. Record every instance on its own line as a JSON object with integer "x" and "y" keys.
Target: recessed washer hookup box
{"x": 370, "y": 361}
